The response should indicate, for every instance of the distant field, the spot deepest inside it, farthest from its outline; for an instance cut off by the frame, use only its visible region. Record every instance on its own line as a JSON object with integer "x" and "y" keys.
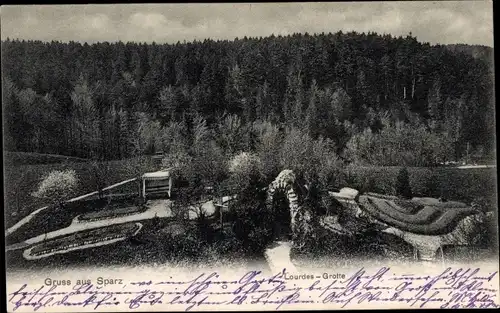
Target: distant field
{"x": 450, "y": 182}
{"x": 26, "y": 158}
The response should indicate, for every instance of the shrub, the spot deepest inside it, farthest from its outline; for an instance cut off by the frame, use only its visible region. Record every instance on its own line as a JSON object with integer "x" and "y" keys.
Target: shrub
{"x": 324, "y": 162}
{"x": 178, "y": 162}
{"x": 488, "y": 236}
{"x": 244, "y": 164}
{"x": 296, "y": 151}
{"x": 231, "y": 133}
{"x": 253, "y": 221}
{"x": 403, "y": 188}
{"x": 57, "y": 186}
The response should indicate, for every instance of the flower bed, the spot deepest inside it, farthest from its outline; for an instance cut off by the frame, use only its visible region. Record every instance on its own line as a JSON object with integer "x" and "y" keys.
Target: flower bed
{"x": 428, "y": 221}
{"x": 110, "y": 213}
{"x": 407, "y": 206}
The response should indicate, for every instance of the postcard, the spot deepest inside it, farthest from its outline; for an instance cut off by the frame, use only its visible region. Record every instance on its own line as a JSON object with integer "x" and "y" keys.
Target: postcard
{"x": 249, "y": 156}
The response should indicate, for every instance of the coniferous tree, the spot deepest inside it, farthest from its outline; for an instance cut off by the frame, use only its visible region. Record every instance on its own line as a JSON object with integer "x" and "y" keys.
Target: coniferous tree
{"x": 403, "y": 188}
{"x": 312, "y": 118}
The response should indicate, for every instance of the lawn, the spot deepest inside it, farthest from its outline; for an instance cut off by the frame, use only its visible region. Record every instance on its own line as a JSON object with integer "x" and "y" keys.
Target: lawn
{"x": 111, "y": 213}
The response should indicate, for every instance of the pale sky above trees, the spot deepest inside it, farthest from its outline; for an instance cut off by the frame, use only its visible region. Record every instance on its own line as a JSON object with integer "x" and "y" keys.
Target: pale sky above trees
{"x": 445, "y": 22}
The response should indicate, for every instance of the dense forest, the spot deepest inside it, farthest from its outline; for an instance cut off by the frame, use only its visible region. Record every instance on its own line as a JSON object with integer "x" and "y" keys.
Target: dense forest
{"x": 374, "y": 99}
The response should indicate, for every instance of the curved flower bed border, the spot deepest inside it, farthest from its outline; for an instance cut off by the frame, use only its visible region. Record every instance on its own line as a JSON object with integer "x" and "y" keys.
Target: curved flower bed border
{"x": 83, "y": 240}
{"x": 109, "y": 214}
{"x": 430, "y": 220}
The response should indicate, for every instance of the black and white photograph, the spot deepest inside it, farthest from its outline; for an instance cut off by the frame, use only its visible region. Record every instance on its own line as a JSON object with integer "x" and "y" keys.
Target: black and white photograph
{"x": 262, "y": 139}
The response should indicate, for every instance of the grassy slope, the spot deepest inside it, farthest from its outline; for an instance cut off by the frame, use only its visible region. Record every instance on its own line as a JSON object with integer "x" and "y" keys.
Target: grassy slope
{"x": 21, "y": 180}
{"x": 54, "y": 218}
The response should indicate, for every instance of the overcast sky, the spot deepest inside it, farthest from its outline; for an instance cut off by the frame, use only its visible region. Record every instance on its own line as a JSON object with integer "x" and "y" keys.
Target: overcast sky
{"x": 444, "y": 22}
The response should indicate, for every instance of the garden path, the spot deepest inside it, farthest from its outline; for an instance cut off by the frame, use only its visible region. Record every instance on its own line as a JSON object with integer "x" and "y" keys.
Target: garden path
{"x": 278, "y": 257}
{"x": 76, "y": 226}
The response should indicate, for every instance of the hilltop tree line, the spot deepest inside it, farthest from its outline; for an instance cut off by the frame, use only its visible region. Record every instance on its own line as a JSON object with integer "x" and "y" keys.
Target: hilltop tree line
{"x": 369, "y": 98}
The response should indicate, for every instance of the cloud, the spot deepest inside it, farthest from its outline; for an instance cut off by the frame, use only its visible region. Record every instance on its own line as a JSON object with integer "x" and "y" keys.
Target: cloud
{"x": 435, "y": 22}
{"x": 148, "y": 20}
{"x": 92, "y": 22}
